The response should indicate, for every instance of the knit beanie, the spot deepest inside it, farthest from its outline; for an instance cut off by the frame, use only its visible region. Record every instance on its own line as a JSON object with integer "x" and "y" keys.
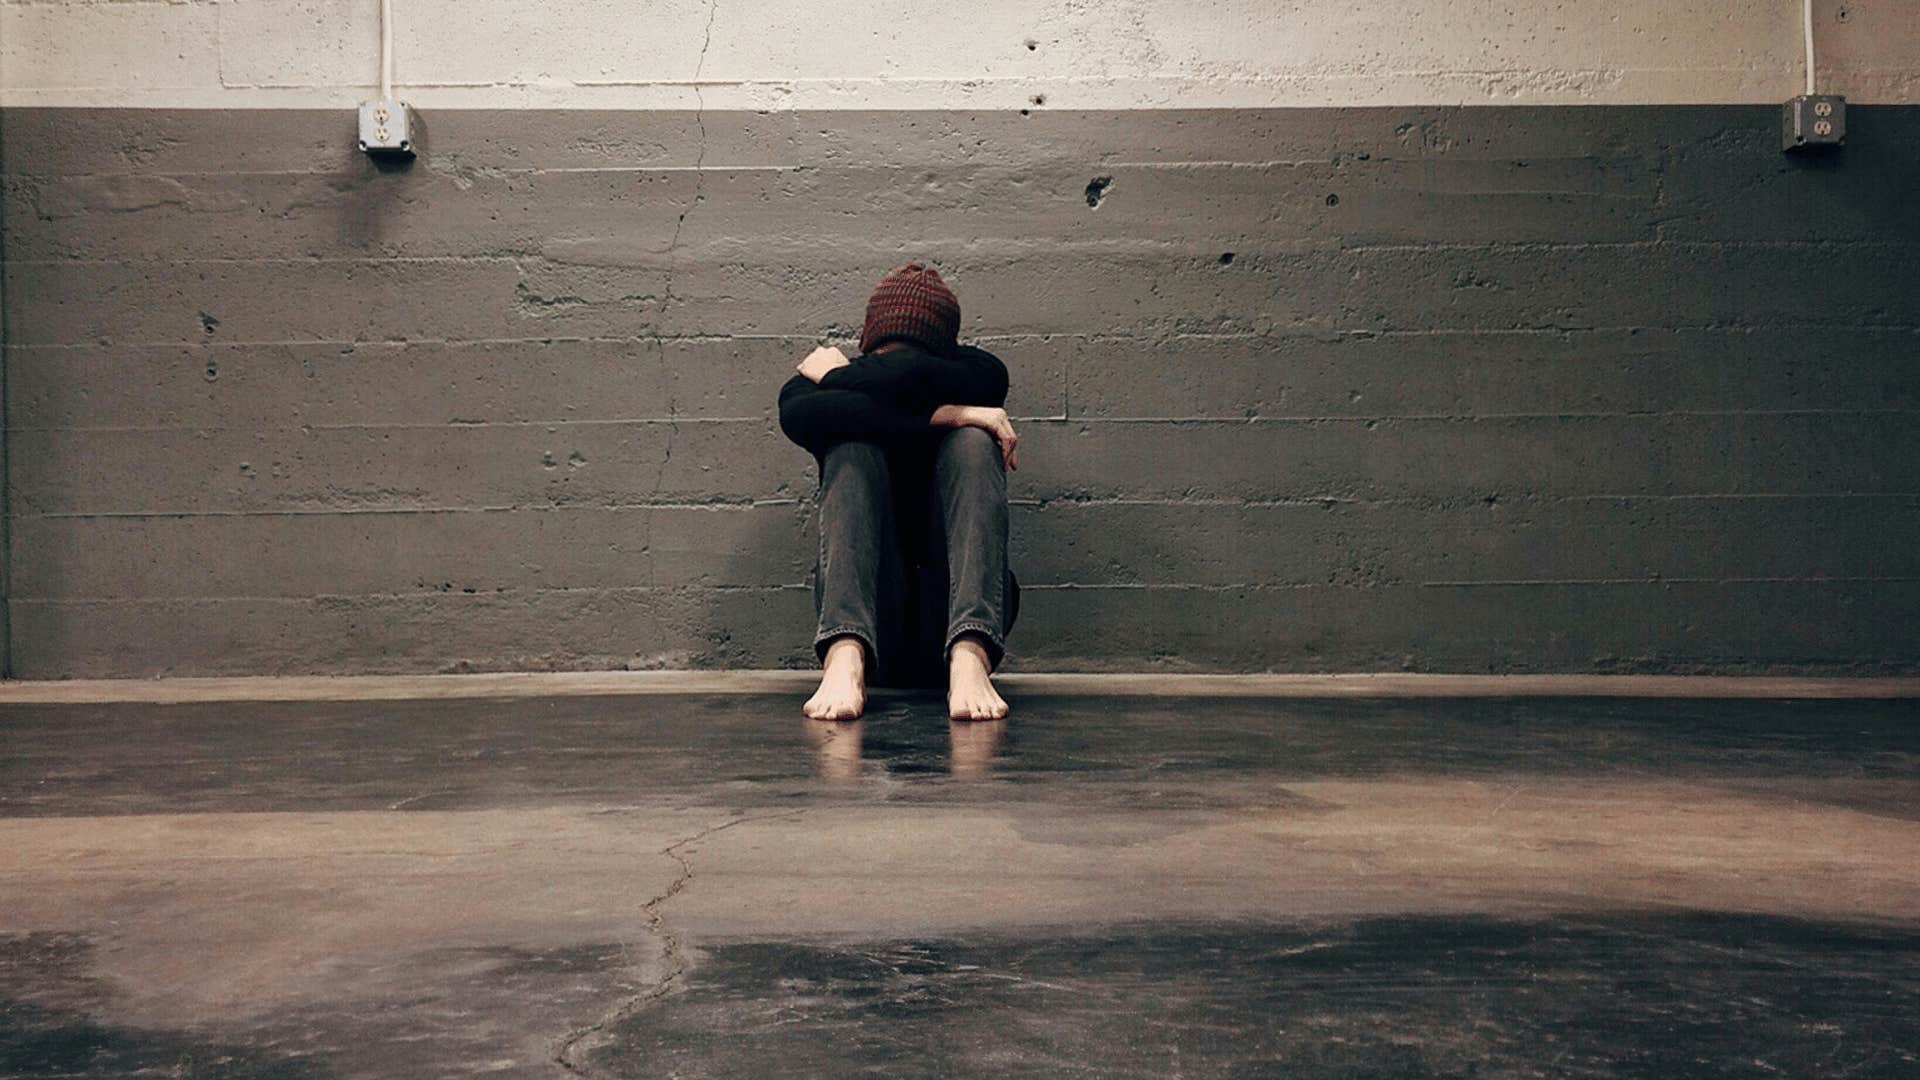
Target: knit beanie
{"x": 912, "y": 304}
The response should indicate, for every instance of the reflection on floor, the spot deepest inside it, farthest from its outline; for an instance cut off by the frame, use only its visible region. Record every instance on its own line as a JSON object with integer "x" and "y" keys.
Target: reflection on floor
{"x": 705, "y": 885}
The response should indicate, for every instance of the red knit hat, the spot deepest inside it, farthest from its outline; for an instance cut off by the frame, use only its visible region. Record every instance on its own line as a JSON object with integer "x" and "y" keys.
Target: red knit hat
{"x": 912, "y": 304}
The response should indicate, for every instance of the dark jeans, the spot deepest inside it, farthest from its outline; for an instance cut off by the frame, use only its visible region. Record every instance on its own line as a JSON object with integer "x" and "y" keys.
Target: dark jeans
{"x": 907, "y": 593}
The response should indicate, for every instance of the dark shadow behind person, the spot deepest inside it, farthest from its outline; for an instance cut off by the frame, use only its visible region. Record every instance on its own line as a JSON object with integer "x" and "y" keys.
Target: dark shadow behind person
{"x": 911, "y": 583}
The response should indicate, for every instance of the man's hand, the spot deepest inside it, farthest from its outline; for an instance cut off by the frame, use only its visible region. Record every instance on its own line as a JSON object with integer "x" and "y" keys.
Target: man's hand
{"x": 822, "y": 360}
{"x": 987, "y": 418}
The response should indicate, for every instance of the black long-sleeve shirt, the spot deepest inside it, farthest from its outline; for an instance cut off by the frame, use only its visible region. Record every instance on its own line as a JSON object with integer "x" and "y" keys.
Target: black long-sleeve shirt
{"x": 888, "y": 397}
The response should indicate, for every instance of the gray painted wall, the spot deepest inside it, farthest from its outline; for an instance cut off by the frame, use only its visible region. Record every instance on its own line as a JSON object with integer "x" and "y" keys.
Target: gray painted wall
{"x": 1509, "y": 389}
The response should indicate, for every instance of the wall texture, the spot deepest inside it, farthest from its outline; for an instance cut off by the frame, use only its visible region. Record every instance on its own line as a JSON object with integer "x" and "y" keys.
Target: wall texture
{"x": 1384, "y": 384}
{"x": 982, "y": 54}
{"x": 1467, "y": 389}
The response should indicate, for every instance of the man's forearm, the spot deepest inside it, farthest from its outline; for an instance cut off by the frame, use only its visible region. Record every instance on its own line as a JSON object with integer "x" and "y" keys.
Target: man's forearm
{"x": 950, "y": 416}
{"x": 988, "y": 418}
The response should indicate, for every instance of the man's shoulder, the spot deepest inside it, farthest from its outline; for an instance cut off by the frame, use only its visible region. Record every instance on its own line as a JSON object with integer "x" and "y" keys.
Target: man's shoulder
{"x": 907, "y": 351}
{"x": 974, "y": 354}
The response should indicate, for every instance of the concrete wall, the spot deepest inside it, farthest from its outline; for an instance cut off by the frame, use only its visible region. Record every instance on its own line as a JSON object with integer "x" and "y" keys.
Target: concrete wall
{"x": 1510, "y": 389}
{"x": 999, "y": 54}
{"x": 1385, "y": 384}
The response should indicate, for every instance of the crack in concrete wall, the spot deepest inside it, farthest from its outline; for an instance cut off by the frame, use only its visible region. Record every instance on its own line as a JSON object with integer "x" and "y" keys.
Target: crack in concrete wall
{"x": 679, "y": 224}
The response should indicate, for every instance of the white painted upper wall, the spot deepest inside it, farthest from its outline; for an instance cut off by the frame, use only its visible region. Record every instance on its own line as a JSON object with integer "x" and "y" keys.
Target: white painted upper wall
{"x": 981, "y": 54}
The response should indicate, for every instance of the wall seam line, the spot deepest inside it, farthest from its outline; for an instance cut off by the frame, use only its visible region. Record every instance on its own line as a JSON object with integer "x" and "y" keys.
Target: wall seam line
{"x": 6, "y": 439}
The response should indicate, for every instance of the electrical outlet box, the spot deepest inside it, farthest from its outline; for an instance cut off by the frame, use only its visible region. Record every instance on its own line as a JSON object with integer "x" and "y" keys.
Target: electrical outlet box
{"x": 1812, "y": 121}
{"x": 387, "y": 128}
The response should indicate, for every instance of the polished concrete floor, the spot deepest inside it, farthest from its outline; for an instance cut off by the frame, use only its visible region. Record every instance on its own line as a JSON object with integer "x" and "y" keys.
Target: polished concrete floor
{"x": 706, "y": 885}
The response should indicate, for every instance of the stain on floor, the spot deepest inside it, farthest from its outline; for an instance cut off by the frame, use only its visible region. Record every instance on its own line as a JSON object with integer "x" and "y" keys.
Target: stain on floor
{"x": 1674, "y": 994}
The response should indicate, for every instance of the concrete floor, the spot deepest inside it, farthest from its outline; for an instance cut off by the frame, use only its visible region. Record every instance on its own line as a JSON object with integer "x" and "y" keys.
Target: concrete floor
{"x": 703, "y": 885}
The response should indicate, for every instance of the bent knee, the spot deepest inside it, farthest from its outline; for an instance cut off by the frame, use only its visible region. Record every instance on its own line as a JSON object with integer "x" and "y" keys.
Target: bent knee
{"x": 855, "y": 456}
{"x": 972, "y": 446}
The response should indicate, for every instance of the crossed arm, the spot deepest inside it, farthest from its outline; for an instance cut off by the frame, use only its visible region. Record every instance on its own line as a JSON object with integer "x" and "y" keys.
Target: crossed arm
{"x": 895, "y": 394}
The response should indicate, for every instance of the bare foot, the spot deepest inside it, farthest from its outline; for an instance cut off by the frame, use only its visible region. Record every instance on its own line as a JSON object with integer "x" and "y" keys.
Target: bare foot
{"x": 970, "y": 692}
{"x": 843, "y": 682}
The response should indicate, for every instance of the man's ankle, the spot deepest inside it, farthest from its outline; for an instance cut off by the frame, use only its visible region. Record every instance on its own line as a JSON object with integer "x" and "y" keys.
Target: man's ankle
{"x": 970, "y": 649}
{"x": 846, "y": 651}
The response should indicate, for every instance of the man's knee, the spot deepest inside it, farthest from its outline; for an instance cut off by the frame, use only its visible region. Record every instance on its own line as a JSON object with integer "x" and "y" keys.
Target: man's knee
{"x": 972, "y": 448}
{"x": 854, "y": 460}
